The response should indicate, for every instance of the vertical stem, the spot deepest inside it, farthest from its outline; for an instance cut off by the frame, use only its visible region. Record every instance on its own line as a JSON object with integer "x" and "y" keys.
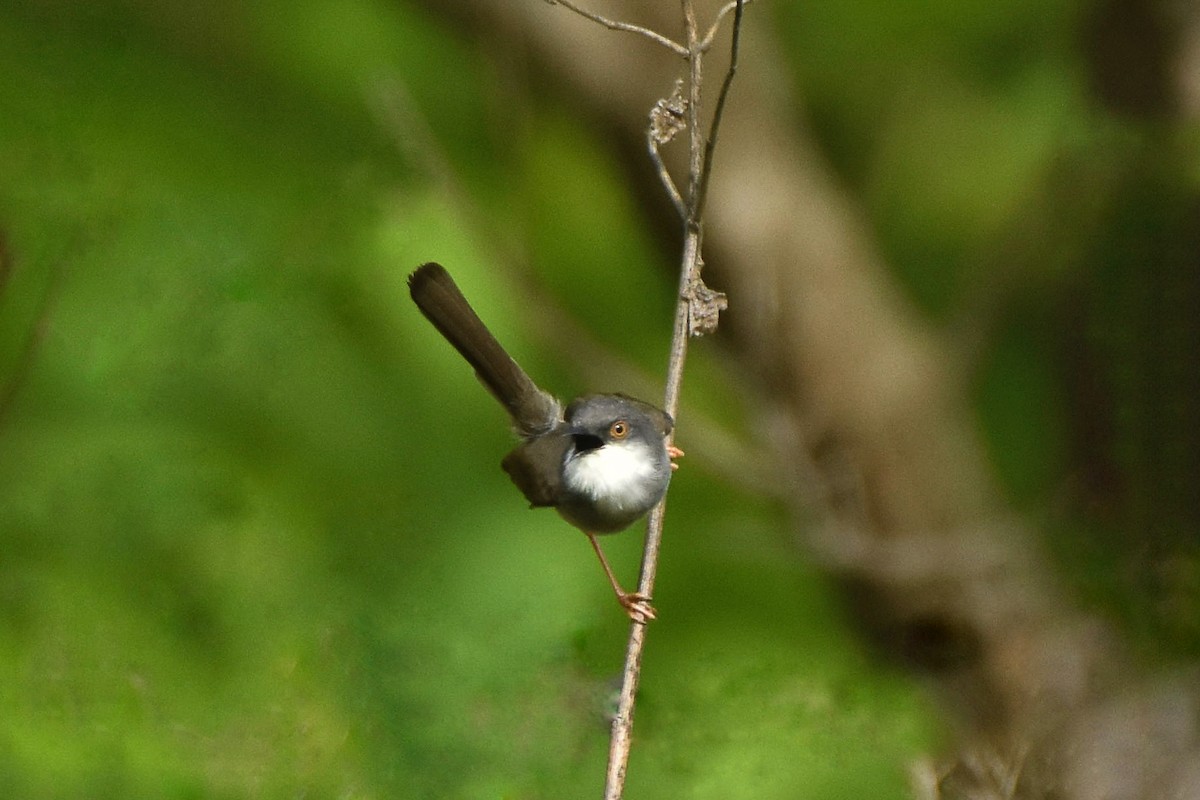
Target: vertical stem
{"x": 622, "y": 727}
{"x": 695, "y": 132}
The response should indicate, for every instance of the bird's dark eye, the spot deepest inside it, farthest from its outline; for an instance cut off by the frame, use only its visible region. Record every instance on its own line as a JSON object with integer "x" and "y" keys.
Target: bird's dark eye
{"x": 619, "y": 429}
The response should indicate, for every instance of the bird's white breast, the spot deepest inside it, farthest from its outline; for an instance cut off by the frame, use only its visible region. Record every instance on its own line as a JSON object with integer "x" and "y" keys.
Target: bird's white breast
{"x": 615, "y": 476}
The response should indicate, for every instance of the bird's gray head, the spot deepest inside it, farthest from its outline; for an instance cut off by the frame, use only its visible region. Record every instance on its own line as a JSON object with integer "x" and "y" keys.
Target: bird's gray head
{"x": 618, "y": 467}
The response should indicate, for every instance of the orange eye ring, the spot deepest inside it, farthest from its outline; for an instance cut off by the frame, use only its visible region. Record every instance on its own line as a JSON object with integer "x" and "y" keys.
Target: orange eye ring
{"x": 619, "y": 429}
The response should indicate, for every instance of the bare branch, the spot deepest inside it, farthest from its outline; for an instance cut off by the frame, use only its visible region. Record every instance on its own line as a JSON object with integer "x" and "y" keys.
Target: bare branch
{"x": 665, "y": 177}
{"x": 667, "y": 119}
{"x": 695, "y": 137}
{"x": 696, "y": 312}
{"x": 711, "y": 145}
{"x": 617, "y": 25}
{"x": 707, "y": 41}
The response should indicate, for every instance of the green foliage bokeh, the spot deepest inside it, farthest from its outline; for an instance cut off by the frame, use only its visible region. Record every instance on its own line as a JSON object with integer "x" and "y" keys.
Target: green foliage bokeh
{"x": 254, "y": 540}
{"x": 253, "y": 537}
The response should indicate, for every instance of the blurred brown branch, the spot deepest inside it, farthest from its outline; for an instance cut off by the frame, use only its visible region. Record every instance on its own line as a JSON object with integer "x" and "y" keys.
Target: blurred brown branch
{"x": 873, "y": 428}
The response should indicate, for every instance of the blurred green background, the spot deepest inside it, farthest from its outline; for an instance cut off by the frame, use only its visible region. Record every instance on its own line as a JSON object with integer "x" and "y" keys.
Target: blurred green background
{"x": 254, "y": 541}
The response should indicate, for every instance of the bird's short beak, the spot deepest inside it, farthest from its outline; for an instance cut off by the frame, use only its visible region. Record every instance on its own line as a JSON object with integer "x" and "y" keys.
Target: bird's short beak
{"x": 585, "y": 441}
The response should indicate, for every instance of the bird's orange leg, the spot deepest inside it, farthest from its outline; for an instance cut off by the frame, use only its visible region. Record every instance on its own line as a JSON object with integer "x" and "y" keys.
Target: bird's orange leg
{"x": 636, "y": 604}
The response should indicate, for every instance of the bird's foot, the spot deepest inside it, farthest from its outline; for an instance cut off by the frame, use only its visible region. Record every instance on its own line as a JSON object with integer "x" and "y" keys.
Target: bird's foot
{"x": 637, "y": 606}
{"x": 673, "y": 453}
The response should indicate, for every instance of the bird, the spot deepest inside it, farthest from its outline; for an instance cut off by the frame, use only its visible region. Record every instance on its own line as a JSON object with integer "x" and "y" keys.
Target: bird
{"x": 601, "y": 461}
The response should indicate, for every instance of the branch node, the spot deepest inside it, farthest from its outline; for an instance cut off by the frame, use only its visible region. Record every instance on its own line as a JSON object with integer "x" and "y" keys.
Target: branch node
{"x": 669, "y": 115}
{"x": 704, "y": 306}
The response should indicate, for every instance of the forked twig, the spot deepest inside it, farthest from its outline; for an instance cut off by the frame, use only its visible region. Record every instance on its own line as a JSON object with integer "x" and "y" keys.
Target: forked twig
{"x": 696, "y": 311}
{"x": 732, "y": 5}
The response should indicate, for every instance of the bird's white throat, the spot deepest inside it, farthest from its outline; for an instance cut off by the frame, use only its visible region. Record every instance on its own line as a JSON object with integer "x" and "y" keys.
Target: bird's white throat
{"x": 616, "y": 476}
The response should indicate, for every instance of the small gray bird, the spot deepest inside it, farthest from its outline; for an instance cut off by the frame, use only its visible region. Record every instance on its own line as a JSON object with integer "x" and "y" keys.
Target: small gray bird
{"x": 602, "y": 463}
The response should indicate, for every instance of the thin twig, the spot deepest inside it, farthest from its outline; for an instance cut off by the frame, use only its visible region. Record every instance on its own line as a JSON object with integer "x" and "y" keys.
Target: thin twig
{"x": 711, "y": 145}
{"x": 707, "y": 41}
{"x": 667, "y": 119}
{"x": 700, "y": 154}
{"x": 695, "y": 137}
{"x": 622, "y": 726}
{"x": 665, "y": 177}
{"x": 617, "y": 25}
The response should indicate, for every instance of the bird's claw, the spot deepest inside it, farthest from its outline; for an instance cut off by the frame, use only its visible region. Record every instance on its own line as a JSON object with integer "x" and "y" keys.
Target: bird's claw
{"x": 673, "y": 453}
{"x": 637, "y": 606}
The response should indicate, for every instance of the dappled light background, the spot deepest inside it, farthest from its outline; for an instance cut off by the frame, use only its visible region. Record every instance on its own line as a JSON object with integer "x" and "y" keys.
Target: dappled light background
{"x": 254, "y": 537}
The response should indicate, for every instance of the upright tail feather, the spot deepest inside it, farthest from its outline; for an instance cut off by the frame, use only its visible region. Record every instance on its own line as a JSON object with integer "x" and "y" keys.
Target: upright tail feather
{"x": 533, "y": 410}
